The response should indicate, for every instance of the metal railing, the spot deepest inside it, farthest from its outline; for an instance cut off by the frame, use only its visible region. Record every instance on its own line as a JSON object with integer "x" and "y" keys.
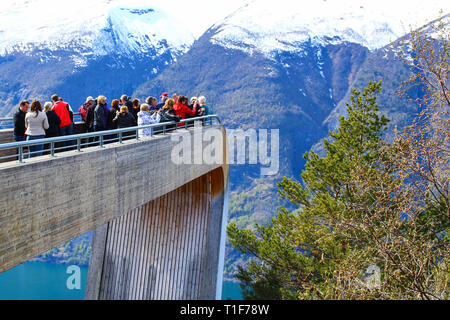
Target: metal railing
{"x": 100, "y": 138}
{"x": 8, "y": 122}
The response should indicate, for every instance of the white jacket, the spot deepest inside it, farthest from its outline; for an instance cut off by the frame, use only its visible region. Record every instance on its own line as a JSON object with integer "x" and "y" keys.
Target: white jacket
{"x": 144, "y": 119}
{"x": 36, "y": 126}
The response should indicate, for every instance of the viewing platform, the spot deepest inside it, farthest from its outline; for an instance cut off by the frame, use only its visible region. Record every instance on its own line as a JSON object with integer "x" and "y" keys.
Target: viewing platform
{"x": 159, "y": 226}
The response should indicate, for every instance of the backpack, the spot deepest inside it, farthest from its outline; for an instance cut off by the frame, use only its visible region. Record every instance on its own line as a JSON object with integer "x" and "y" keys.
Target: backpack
{"x": 83, "y": 110}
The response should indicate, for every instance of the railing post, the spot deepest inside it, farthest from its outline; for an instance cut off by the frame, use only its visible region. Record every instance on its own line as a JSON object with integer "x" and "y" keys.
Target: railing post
{"x": 52, "y": 149}
{"x": 120, "y": 137}
{"x": 164, "y": 129}
{"x": 79, "y": 145}
{"x": 20, "y": 154}
{"x": 101, "y": 141}
{"x": 137, "y": 134}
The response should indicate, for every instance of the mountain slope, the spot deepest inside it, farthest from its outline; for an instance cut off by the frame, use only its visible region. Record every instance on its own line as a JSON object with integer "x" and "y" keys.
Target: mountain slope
{"x": 263, "y": 68}
{"x": 292, "y": 92}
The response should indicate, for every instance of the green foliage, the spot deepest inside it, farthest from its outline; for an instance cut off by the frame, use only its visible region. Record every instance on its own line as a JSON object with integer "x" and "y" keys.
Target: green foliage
{"x": 352, "y": 211}
{"x": 77, "y": 252}
{"x": 298, "y": 252}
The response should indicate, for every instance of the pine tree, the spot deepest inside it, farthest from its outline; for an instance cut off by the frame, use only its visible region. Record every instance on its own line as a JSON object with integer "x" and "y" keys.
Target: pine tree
{"x": 355, "y": 214}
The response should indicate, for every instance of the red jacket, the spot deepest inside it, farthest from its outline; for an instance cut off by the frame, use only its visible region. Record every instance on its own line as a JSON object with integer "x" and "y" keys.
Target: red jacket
{"x": 183, "y": 110}
{"x": 62, "y": 110}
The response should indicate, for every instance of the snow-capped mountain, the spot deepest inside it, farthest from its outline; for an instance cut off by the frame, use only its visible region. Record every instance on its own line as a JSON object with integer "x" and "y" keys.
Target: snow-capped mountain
{"x": 83, "y": 48}
{"x": 96, "y": 27}
{"x": 285, "y": 25}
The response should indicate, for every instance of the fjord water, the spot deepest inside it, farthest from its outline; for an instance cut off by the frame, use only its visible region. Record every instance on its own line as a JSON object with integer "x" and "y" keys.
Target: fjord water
{"x": 39, "y": 281}
{"x": 48, "y": 281}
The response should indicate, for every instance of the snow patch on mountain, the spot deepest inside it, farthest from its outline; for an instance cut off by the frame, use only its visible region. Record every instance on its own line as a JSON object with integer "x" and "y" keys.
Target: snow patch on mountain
{"x": 285, "y": 25}
{"x": 89, "y": 27}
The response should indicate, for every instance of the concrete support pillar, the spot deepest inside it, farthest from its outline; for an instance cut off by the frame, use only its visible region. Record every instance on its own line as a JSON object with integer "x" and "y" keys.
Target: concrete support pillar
{"x": 168, "y": 249}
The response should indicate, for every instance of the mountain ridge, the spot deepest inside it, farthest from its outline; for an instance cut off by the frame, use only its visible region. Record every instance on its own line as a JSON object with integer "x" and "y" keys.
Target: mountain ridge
{"x": 268, "y": 28}
{"x": 123, "y": 47}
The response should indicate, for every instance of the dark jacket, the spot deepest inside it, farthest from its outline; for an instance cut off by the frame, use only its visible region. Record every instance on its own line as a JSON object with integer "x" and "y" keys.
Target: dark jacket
{"x": 101, "y": 116}
{"x": 153, "y": 108}
{"x": 19, "y": 123}
{"x": 168, "y": 115}
{"x": 90, "y": 117}
{"x": 134, "y": 112}
{"x": 125, "y": 121}
{"x": 129, "y": 105}
{"x": 53, "y": 124}
{"x": 110, "y": 125}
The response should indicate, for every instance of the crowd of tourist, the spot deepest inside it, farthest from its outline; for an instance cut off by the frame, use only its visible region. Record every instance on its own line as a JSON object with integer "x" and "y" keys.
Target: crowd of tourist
{"x": 33, "y": 121}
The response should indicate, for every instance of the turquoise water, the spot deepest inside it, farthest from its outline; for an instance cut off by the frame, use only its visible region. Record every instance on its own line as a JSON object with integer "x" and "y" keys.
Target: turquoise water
{"x": 40, "y": 281}
{"x": 48, "y": 281}
{"x": 231, "y": 290}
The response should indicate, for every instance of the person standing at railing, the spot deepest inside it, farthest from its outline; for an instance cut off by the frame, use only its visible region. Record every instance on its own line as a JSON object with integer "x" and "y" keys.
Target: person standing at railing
{"x": 183, "y": 110}
{"x": 125, "y": 101}
{"x": 194, "y": 103}
{"x": 115, "y": 108}
{"x": 136, "y": 103}
{"x": 203, "y": 109}
{"x": 110, "y": 125}
{"x": 175, "y": 97}
{"x": 89, "y": 122}
{"x": 164, "y": 96}
{"x": 152, "y": 103}
{"x": 70, "y": 110}
{"x": 100, "y": 115}
{"x": 124, "y": 119}
{"x": 19, "y": 121}
{"x": 167, "y": 114}
{"x": 53, "y": 121}
{"x": 146, "y": 118}
{"x": 84, "y": 108}
{"x": 62, "y": 109}
{"x": 53, "y": 125}
{"x": 36, "y": 123}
